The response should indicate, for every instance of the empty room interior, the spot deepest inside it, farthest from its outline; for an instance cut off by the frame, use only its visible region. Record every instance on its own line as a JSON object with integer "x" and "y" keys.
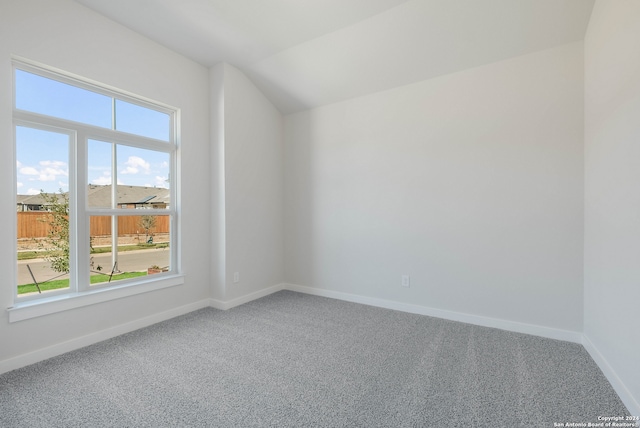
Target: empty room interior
{"x": 439, "y": 197}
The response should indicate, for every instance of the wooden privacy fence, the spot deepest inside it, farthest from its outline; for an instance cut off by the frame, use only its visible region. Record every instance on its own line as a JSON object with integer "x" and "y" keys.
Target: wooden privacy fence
{"x": 36, "y": 225}
{"x": 127, "y": 225}
{"x": 31, "y": 224}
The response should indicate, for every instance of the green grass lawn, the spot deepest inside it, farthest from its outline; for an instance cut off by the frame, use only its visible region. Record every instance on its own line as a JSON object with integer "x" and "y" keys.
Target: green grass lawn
{"x": 100, "y": 250}
{"x": 64, "y": 283}
{"x": 28, "y": 255}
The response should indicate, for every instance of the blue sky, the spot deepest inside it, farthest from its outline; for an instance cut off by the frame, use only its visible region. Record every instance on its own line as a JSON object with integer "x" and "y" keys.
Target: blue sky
{"x": 42, "y": 161}
{"x": 42, "y": 157}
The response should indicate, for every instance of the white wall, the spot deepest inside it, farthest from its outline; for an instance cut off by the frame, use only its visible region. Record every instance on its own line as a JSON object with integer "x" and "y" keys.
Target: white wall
{"x": 248, "y": 148}
{"x": 218, "y": 227}
{"x": 612, "y": 193}
{"x": 63, "y": 34}
{"x": 471, "y": 183}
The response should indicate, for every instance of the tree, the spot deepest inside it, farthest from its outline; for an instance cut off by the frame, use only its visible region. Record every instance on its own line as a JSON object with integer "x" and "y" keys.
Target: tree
{"x": 57, "y": 240}
{"x": 147, "y": 222}
{"x": 58, "y": 235}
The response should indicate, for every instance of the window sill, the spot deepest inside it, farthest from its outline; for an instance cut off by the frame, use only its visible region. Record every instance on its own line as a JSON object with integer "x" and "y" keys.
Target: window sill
{"x": 51, "y": 305}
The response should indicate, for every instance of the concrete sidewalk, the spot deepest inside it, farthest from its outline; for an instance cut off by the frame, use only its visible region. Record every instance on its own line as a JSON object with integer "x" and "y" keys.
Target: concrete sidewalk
{"x": 128, "y": 261}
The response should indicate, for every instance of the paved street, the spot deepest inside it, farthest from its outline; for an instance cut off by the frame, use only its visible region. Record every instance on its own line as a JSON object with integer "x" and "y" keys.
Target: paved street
{"x": 129, "y": 261}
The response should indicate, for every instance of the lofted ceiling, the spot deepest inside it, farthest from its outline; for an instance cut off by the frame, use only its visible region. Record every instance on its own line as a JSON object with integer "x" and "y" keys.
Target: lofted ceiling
{"x": 307, "y": 53}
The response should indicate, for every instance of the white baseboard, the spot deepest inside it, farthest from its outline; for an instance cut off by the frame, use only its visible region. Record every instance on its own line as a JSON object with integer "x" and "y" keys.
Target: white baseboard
{"x": 621, "y": 389}
{"x": 228, "y": 304}
{"x": 80, "y": 342}
{"x": 571, "y": 336}
{"x": 536, "y": 330}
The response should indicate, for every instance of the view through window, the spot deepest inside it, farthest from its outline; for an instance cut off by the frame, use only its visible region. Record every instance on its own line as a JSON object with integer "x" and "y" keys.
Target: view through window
{"x": 95, "y": 177}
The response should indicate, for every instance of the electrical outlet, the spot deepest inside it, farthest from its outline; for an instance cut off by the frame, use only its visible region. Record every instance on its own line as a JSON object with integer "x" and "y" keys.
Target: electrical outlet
{"x": 236, "y": 277}
{"x": 406, "y": 281}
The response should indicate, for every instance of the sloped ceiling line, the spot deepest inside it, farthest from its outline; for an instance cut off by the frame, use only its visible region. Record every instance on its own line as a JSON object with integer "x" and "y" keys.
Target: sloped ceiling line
{"x": 307, "y": 53}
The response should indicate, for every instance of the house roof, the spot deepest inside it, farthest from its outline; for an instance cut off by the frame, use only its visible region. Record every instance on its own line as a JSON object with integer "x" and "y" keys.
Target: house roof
{"x": 100, "y": 196}
{"x": 37, "y": 200}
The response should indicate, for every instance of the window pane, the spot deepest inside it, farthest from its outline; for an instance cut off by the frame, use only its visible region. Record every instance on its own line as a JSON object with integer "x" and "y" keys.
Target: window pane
{"x": 143, "y": 178}
{"x": 99, "y": 174}
{"x": 46, "y": 96}
{"x": 142, "y": 121}
{"x": 148, "y": 233}
{"x": 101, "y": 260}
{"x": 42, "y": 174}
{"x": 42, "y": 161}
{"x": 142, "y": 247}
{"x": 104, "y": 258}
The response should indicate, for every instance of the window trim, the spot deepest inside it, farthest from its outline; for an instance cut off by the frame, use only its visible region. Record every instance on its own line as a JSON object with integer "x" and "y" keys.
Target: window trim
{"x": 28, "y": 309}
{"x": 97, "y": 87}
{"x": 80, "y": 294}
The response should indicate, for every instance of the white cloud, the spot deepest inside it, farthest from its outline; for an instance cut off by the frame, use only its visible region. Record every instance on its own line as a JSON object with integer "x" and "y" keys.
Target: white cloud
{"x": 18, "y": 164}
{"x": 49, "y": 170}
{"x": 20, "y": 185}
{"x": 28, "y": 170}
{"x": 63, "y": 184}
{"x": 136, "y": 164}
{"x": 33, "y": 191}
{"x": 47, "y": 176}
{"x": 161, "y": 182}
{"x": 54, "y": 164}
{"x": 102, "y": 181}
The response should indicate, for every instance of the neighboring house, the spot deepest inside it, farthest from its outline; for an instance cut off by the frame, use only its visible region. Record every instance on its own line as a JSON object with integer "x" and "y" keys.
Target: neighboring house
{"x": 136, "y": 197}
{"x": 32, "y": 202}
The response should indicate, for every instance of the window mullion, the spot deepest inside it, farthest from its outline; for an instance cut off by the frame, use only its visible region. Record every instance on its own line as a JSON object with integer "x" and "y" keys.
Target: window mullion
{"x": 80, "y": 240}
{"x": 95, "y": 132}
{"x": 174, "y": 232}
{"x": 114, "y": 176}
{"x": 114, "y": 244}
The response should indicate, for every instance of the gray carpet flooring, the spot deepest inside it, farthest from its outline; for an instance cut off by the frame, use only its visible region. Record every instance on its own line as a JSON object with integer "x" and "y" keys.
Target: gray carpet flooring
{"x": 295, "y": 360}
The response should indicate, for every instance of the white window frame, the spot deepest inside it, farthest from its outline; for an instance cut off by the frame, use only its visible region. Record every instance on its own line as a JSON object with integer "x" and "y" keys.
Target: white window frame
{"x": 80, "y": 292}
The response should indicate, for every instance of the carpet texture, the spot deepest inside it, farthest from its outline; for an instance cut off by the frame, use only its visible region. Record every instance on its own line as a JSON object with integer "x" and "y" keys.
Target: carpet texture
{"x": 295, "y": 360}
